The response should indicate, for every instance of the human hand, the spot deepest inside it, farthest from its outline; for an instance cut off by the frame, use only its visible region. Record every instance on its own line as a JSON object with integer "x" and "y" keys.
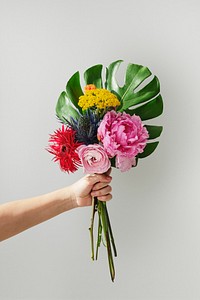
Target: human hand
{"x": 94, "y": 185}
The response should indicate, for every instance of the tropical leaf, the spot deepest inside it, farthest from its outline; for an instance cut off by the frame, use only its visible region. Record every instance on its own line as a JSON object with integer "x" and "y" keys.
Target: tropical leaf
{"x": 149, "y": 149}
{"x": 130, "y": 96}
{"x": 93, "y": 76}
{"x": 149, "y": 110}
{"x": 135, "y": 75}
{"x": 111, "y": 82}
{"x": 65, "y": 109}
{"x": 154, "y": 131}
{"x": 143, "y": 95}
{"x": 74, "y": 90}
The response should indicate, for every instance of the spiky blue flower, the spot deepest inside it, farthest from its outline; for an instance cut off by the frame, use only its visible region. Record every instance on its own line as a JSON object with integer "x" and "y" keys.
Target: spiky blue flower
{"x": 86, "y": 127}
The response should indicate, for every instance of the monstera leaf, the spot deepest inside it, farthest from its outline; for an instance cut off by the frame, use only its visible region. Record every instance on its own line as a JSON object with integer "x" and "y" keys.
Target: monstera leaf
{"x": 93, "y": 75}
{"x": 65, "y": 108}
{"x": 67, "y": 104}
{"x": 135, "y": 75}
{"x": 74, "y": 90}
{"x": 147, "y": 99}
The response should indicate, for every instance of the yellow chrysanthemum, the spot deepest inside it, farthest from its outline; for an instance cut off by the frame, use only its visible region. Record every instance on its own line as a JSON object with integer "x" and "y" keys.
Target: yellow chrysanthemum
{"x": 98, "y": 98}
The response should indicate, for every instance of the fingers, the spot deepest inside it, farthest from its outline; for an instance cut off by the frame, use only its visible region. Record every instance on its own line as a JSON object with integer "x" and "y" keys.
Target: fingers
{"x": 105, "y": 197}
{"x": 96, "y": 178}
{"x": 100, "y": 187}
{"x": 103, "y": 194}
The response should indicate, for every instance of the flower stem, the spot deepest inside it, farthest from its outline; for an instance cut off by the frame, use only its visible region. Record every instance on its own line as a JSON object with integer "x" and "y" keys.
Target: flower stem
{"x": 110, "y": 231}
{"x": 104, "y": 226}
{"x": 91, "y": 229}
{"x": 106, "y": 231}
{"x": 99, "y": 234}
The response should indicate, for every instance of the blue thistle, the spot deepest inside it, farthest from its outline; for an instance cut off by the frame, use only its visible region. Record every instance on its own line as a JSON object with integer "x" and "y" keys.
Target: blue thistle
{"x": 86, "y": 127}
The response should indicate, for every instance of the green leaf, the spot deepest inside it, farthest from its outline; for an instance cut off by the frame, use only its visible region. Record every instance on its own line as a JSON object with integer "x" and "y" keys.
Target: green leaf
{"x": 154, "y": 131}
{"x": 148, "y": 92}
{"x": 135, "y": 75}
{"x": 93, "y": 76}
{"x": 149, "y": 149}
{"x": 74, "y": 90}
{"x": 129, "y": 96}
{"x": 65, "y": 109}
{"x": 149, "y": 110}
{"x": 111, "y": 82}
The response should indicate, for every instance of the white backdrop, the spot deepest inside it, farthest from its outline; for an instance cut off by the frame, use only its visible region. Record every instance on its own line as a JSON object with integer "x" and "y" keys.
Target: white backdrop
{"x": 155, "y": 210}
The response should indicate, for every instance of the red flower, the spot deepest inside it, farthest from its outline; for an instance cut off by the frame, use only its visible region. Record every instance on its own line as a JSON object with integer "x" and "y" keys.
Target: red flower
{"x": 63, "y": 146}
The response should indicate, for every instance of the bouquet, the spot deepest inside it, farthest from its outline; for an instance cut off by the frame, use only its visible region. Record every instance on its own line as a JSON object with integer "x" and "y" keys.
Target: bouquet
{"x": 102, "y": 126}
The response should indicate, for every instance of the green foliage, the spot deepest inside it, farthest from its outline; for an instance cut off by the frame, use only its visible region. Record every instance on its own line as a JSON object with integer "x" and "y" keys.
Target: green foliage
{"x": 149, "y": 149}
{"x": 149, "y": 110}
{"x": 154, "y": 131}
{"x": 93, "y": 76}
{"x": 65, "y": 108}
{"x": 74, "y": 90}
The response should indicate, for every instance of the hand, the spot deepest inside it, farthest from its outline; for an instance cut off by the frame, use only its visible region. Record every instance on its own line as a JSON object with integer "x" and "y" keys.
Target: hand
{"x": 94, "y": 185}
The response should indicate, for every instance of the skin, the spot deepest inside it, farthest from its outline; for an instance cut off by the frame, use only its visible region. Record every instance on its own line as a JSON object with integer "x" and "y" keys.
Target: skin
{"x": 20, "y": 215}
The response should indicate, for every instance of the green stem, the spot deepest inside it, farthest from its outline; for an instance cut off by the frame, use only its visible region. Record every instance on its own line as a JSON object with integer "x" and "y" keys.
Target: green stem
{"x": 99, "y": 234}
{"x": 110, "y": 231}
{"x": 104, "y": 221}
{"x": 91, "y": 229}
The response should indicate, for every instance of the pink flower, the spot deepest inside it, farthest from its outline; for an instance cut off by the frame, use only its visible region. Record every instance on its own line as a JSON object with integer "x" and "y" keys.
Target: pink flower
{"x": 94, "y": 158}
{"x": 125, "y": 163}
{"x": 123, "y": 136}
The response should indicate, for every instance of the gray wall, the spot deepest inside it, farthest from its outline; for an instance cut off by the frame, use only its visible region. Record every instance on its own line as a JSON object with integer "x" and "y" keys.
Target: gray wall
{"x": 155, "y": 209}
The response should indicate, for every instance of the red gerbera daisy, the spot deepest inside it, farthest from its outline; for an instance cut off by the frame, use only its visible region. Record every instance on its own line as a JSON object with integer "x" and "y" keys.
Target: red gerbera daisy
{"x": 63, "y": 146}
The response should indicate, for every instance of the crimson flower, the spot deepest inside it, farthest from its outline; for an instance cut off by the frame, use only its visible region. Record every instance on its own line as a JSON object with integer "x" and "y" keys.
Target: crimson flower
{"x": 63, "y": 146}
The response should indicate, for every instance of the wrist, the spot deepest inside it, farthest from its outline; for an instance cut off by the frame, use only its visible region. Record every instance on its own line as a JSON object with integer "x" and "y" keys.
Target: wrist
{"x": 66, "y": 197}
{"x": 70, "y": 198}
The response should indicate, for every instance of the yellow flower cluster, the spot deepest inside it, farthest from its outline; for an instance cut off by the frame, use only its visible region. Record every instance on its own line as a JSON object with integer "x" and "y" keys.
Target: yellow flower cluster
{"x": 98, "y": 98}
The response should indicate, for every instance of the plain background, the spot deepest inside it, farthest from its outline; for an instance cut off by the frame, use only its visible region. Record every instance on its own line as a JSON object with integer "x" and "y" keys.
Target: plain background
{"x": 155, "y": 210}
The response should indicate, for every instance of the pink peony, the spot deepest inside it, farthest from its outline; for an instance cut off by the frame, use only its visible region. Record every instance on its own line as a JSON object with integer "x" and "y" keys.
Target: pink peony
{"x": 125, "y": 163}
{"x": 94, "y": 158}
{"x": 123, "y": 136}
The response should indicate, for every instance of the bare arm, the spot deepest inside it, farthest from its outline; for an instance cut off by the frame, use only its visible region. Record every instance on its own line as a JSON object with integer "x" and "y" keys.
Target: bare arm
{"x": 20, "y": 215}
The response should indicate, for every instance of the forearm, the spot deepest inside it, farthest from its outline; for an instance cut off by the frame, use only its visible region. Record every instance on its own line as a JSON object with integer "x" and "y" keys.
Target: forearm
{"x": 20, "y": 215}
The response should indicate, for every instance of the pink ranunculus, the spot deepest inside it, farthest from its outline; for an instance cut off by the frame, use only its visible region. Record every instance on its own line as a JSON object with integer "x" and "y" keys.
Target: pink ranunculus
{"x": 123, "y": 136}
{"x": 94, "y": 158}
